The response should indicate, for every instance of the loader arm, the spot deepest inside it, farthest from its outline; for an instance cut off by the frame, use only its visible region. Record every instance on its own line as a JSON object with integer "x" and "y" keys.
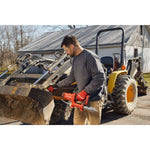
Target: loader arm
{"x": 134, "y": 68}
{"x": 24, "y": 96}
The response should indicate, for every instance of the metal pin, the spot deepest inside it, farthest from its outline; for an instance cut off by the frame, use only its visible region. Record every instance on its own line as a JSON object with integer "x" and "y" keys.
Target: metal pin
{"x": 90, "y": 109}
{"x": 41, "y": 77}
{"x": 3, "y": 73}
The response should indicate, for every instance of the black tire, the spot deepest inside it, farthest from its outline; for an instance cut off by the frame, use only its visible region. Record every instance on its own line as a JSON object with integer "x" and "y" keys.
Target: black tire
{"x": 124, "y": 95}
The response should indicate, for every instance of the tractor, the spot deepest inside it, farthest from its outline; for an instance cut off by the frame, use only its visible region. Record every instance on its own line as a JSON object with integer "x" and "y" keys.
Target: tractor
{"x": 124, "y": 78}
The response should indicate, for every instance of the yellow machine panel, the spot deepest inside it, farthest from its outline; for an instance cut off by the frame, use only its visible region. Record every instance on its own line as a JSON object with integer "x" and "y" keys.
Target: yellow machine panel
{"x": 112, "y": 79}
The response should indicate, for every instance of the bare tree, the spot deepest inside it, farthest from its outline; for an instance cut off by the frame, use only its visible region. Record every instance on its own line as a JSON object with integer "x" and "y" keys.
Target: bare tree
{"x": 2, "y": 45}
{"x": 12, "y": 38}
{"x": 15, "y": 39}
{"x": 21, "y": 36}
{"x": 72, "y": 26}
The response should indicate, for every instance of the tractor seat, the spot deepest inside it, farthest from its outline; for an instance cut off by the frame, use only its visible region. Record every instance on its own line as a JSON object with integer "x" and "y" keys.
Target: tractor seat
{"x": 107, "y": 61}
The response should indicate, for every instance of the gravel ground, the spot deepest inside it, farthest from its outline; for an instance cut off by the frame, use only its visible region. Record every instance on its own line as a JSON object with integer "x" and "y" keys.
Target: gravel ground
{"x": 140, "y": 116}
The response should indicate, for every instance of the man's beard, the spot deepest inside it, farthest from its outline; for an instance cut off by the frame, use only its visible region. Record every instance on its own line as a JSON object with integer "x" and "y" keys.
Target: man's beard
{"x": 72, "y": 55}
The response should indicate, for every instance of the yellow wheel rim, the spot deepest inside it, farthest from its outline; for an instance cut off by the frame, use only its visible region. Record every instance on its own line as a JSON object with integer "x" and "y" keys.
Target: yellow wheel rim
{"x": 130, "y": 94}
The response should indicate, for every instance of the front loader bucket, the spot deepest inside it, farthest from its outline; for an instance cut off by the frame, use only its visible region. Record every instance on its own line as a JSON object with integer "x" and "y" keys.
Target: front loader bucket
{"x": 28, "y": 105}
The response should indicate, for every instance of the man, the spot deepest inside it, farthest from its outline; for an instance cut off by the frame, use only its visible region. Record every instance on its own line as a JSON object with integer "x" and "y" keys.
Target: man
{"x": 88, "y": 73}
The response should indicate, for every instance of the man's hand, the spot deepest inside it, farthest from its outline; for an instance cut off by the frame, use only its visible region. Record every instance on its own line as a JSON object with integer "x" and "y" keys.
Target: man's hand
{"x": 81, "y": 96}
{"x": 69, "y": 96}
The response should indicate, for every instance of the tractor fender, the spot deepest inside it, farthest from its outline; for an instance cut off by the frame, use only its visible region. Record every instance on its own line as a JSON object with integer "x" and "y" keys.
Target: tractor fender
{"x": 112, "y": 79}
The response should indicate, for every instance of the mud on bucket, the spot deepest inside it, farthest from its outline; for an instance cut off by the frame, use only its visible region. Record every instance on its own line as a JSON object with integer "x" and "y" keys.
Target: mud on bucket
{"x": 28, "y": 105}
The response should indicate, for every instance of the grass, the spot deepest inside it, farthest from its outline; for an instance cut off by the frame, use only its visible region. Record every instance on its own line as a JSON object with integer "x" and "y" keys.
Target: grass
{"x": 2, "y": 69}
{"x": 147, "y": 79}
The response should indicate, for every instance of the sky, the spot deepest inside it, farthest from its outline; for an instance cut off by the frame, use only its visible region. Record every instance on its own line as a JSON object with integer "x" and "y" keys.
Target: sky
{"x": 41, "y": 29}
